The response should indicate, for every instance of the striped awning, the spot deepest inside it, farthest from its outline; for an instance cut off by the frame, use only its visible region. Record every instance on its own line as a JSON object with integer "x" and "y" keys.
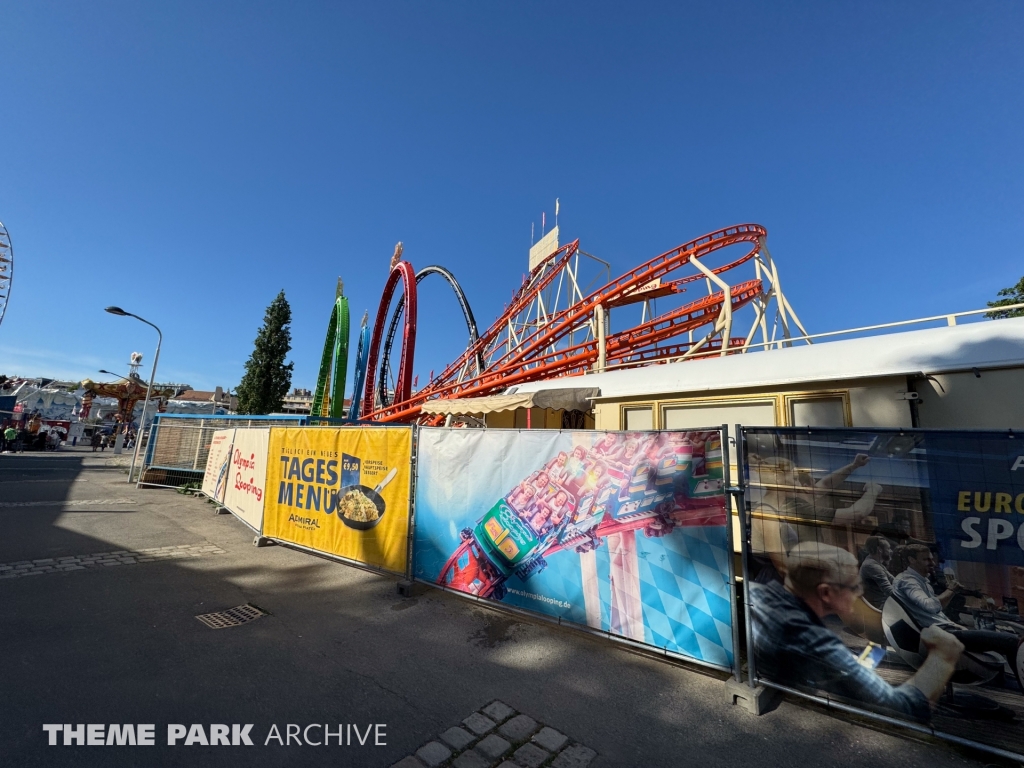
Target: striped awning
{"x": 578, "y": 399}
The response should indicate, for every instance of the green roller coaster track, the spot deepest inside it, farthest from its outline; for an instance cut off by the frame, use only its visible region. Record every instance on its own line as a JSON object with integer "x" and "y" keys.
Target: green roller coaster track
{"x": 336, "y": 352}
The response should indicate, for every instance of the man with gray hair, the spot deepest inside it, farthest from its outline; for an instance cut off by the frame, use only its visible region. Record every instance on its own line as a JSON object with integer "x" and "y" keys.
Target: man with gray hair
{"x": 793, "y": 647}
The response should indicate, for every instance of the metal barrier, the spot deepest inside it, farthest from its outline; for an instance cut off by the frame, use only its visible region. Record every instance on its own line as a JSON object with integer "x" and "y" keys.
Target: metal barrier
{"x": 620, "y": 534}
{"x": 828, "y": 500}
{"x": 829, "y": 492}
{"x": 177, "y": 445}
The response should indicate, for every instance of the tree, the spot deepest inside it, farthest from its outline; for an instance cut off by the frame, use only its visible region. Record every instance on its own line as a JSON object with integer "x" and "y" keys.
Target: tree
{"x": 1013, "y": 295}
{"x": 267, "y": 376}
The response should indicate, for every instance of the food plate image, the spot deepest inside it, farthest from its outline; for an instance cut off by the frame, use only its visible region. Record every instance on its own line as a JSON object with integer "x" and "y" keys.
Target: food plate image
{"x": 365, "y": 505}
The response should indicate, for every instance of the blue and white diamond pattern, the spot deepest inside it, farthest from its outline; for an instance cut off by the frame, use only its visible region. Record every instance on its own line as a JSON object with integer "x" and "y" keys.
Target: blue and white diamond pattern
{"x": 684, "y": 582}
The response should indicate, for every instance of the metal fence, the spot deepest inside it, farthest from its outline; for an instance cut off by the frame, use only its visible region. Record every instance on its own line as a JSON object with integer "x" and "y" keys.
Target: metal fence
{"x": 176, "y": 448}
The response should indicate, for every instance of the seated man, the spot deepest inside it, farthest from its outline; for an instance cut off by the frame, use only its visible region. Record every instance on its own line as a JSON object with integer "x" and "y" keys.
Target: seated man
{"x": 793, "y": 647}
{"x": 874, "y": 571}
{"x": 926, "y": 608}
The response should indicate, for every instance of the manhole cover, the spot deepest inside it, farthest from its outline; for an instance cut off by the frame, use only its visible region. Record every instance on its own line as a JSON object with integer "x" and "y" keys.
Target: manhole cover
{"x": 232, "y": 617}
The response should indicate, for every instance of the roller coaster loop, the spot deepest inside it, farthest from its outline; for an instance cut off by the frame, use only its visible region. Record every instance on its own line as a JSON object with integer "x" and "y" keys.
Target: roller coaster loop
{"x": 467, "y": 312}
{"x": 336, "y": 352}
{"x": 403, "y": 271}
{"x": 360, "y": 371}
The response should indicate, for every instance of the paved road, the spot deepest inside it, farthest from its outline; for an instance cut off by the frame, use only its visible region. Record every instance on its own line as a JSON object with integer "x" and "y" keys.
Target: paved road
{"x": 110, "y": 636}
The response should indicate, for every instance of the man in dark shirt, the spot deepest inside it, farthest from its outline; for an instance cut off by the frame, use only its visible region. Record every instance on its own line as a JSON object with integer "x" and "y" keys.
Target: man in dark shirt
{"x": 874, "y": 571}
{"x": 794, "y": 648}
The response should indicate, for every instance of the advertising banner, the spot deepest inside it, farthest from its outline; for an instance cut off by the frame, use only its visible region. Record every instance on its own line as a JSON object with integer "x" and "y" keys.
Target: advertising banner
{"x": 621, "y": 532}
{"x": 341, "y": 491}
{"x": 886, "y": 565}
{"x": 247, "y": 476}
{"x": 218, "y": 462}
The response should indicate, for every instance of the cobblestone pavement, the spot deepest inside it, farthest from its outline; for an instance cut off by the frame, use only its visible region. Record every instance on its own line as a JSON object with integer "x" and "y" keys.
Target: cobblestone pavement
{"x": 498, "y": 736}
{"x": 105, "y": 559}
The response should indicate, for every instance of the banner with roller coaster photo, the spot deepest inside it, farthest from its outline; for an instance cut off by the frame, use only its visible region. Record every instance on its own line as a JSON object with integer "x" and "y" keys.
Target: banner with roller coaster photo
{"x": 622, "y": 532}
{"x": 887, "y": 572}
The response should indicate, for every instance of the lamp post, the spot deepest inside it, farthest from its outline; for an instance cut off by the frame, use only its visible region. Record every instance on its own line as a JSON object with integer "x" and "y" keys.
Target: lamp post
{"x": 149, "y": 389}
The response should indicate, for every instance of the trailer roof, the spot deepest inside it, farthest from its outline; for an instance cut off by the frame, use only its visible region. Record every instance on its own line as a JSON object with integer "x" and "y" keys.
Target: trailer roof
{"x": 981, "y": 345}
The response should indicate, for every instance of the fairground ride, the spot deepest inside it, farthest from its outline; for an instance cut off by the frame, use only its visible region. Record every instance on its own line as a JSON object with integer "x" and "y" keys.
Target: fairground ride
{"x": 557, "y": 324}
{"x": 6, "y": 269}
{"x": 128, "y": 392}
{"x": 328, "y": 400}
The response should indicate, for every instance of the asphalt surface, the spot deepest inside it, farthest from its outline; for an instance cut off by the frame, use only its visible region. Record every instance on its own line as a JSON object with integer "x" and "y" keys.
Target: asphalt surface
{"x": 120, "y": 644}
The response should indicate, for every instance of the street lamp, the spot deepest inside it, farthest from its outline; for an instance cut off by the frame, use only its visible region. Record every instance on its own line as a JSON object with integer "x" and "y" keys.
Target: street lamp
{"x": 149, "y": 390}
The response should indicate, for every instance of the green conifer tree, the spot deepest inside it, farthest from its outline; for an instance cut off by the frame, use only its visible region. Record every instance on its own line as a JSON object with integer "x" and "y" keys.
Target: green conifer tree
{"x": 1012, "y": 295}
{"x": 267, "y": 376}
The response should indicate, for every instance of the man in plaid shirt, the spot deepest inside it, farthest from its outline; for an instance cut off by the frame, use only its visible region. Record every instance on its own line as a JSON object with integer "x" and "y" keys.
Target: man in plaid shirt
{"x": 793, "y": 646}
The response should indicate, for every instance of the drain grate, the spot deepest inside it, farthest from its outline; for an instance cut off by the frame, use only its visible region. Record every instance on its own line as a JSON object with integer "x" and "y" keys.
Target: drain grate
{"x": 232, "y": 617}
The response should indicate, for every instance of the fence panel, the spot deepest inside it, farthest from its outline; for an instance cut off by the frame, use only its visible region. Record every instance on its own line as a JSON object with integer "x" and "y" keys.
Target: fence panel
{"x": 861, "y": 540}
{"x": 178, "y": 445}
{"x": 342, "y": 492}
{"x": 620, "y": 533}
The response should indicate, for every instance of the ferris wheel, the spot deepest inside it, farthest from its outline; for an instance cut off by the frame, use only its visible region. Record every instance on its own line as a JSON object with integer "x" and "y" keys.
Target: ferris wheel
{"x": 6, "y": 269}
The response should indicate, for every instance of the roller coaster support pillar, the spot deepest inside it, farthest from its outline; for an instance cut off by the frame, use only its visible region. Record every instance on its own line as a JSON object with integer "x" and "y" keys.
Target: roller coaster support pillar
{"x": 726, "y": 303}
{"x": 602, "y": 338}
{"x": 784, "y": 305}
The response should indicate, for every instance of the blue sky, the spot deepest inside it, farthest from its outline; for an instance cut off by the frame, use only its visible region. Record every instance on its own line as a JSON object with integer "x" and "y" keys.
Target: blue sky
{"x": 188, "y": 160}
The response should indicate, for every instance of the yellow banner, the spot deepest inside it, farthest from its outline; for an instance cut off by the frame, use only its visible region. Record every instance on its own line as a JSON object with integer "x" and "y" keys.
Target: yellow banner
{"x": 342, "y": 491}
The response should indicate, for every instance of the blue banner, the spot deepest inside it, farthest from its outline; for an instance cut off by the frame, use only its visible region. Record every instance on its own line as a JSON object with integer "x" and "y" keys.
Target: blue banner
{"x": 977, "y": 495}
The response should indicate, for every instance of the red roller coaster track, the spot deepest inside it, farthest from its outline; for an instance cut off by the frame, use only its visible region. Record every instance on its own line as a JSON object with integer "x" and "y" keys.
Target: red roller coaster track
{"x": 401, "y": 271}
{"x": 547, "y": 349}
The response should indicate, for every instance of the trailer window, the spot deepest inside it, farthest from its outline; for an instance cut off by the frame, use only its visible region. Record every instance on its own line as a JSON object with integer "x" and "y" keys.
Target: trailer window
{"x": 818, "y": 412}
{"x": 712, "y": 414}
{"x": 638, "y": 419}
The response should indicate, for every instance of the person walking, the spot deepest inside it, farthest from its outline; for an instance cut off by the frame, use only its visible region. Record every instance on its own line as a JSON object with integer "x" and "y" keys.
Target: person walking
{"x": 97, "y": 436}
{"x": 10, "y": 436}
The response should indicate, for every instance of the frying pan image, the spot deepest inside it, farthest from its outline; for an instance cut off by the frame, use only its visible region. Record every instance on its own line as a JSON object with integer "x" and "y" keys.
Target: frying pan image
{"x": 373, "y": 495}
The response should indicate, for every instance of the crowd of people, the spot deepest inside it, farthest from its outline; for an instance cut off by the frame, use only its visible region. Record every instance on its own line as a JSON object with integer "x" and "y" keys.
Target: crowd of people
{"x": 18, "y": 437}
{"x": 928, "y": 596}
{"x": 541, "y": 502}
{"x": 584, "y": 482}
{"x": 33, "y": 434}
